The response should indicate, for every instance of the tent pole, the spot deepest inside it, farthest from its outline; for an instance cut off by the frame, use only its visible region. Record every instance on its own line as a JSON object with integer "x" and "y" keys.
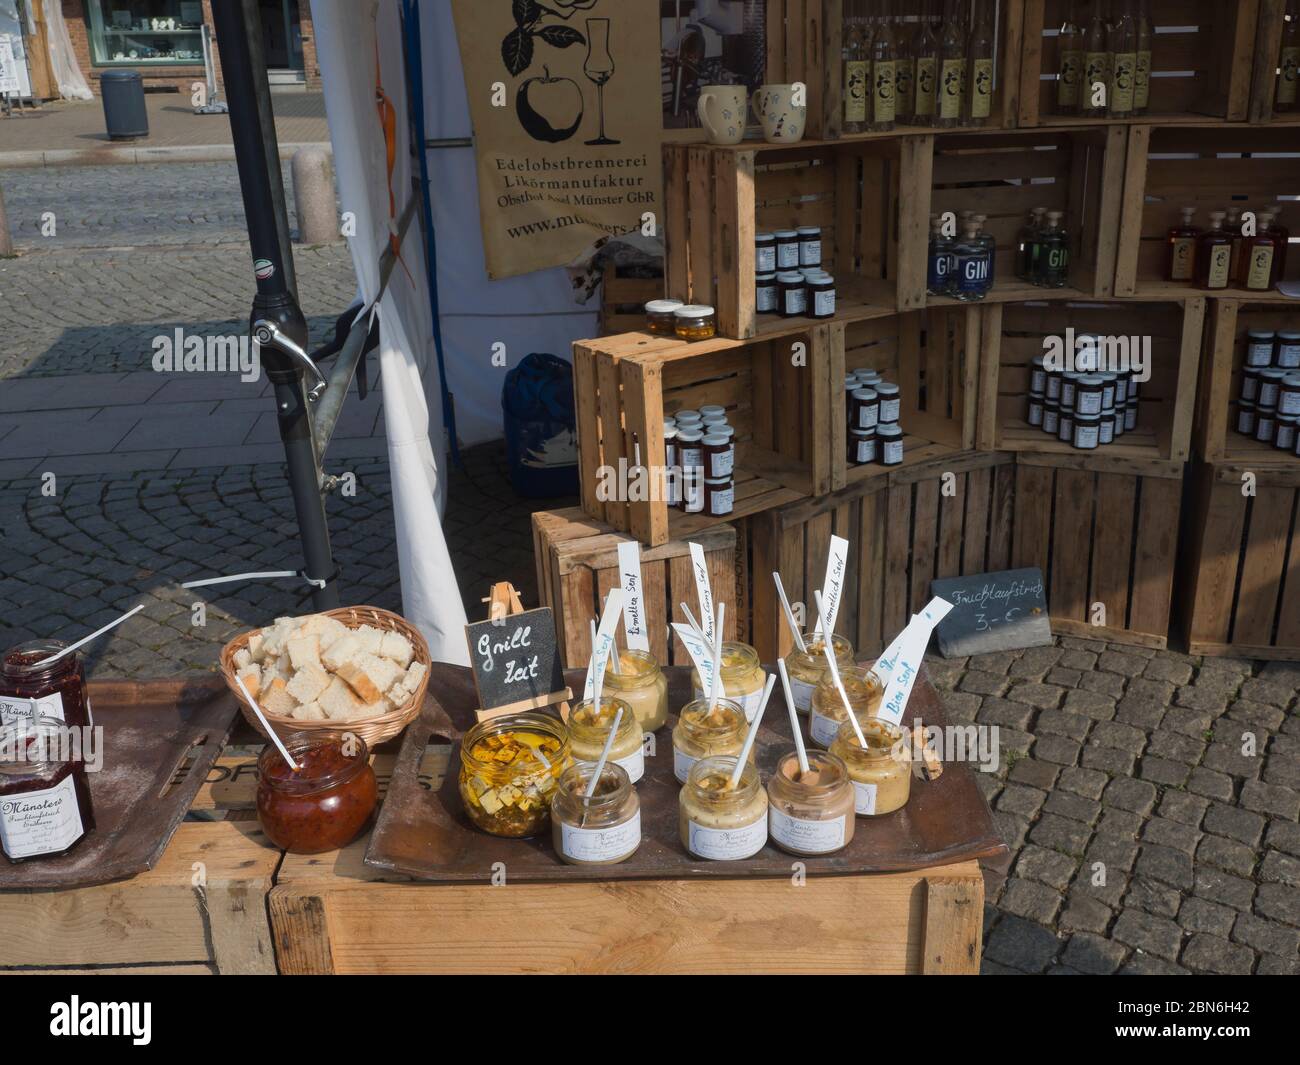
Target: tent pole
{"x": 276, "y": 322}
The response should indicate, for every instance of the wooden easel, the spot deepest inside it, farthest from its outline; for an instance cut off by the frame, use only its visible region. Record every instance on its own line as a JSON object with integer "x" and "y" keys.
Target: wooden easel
{"x": 503, "y": 601}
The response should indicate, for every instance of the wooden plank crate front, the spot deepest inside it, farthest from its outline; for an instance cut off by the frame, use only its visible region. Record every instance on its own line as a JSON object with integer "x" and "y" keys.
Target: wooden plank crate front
{"x": 1224, "y": 354}
{"x": 1268, "y": 71}
{"x": 623, "y": 300}
{"x": 1209, "y": 168}
{"x": 1239, "y": 593}
{"x": 577, "y": 565}
{"x": 1015, "y": 332}
{"x": 1202, "y": 61}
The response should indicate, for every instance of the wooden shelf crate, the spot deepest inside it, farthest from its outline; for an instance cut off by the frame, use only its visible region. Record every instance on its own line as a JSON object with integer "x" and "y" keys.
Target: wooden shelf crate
{"x": 1014, "y": 333}
{"x": 904, "y": 530}
{"x": 1202, "y": 61}
{"x": 1268, "y": 49}
{"x": 1103, "y": 533}
{"x": 1211, "y": 168}
{"x": 1239, "y": 592}
{"x": 1224, "y": 354}
{"x": 623, "y": 300}
{"x": 933, "y": 356}
{"x": 577, "y": 565}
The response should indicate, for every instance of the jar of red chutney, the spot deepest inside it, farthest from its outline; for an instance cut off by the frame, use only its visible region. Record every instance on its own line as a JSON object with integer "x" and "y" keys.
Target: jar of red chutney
{"x": 45, "y": 807}
{"x": 325, "y": 804}
{"x": 57, "y": 689}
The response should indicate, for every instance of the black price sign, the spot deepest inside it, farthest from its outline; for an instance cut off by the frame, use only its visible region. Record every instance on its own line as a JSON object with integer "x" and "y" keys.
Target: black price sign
{"x": 515, "y": 662}
{"x": 993, "y": 612}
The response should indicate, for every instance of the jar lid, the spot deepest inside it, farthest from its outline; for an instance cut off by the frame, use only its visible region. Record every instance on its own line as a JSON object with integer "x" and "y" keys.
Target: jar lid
{"x": 662, "y": 306}
{"x": 712, "y": 408}
{"x": 1091, "y": 380}
{"x": 1038, "y": 362}
{"x": 1288, "y": 334}
{"x": 887, "y": 388}
{"x": 687, "y": 417}
{"x": 889, "y": 429}
{"x": 1290, "y": 419}
{"x": 1132, "y": 402}
{"x": 864, "y": 433}
{"x": 764, "y": 238}
{"x": 1262, "y": 334}
{"x": 670, "y": 431}
{"x": 765, "y": 279}
{"x": 715, "y": 440}
{"x": 822, "y": 278}
{"x": 719, "y": 429}
{"x": 694, "y": 310}
{"x": 1086, "y": 419}
{"x": 850, "y": 382}
{"x": 1292, "y": 380}
{"x": 690, "y": 436}
{"x": 1246, "y": 403}
{"x": 866, "y": 395}
{"x": 716, "y": 482}
{"x": 808, "y": 231}
{"x": 790, "y": 277}
{"x": 786, "y": 234}
{"x": 1273, "y": 373}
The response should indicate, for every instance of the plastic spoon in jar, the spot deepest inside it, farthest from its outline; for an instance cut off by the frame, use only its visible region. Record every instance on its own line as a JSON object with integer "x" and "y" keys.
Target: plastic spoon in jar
{"x": 834, "y": 671}
{"x": 267, "y": 725}
{"x": 604, "y": 754}
{"x": 752, "y": 734}
{"x": 695, "y": 626}
{"x": 597, "y": 670}
{"x": 794, "y": 717}
{"x": 715, "y": 687}
{"x": 93, "y": 636}
{"x": 789, "y": 615}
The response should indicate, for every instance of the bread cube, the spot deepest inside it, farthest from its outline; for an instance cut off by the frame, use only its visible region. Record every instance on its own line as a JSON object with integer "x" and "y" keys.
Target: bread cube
{"x": 257, "y": 645}
{"x": 307, "y": 684}
{"x": 277, "y": 700}
{"x": 398, "y": 648}
{"x": 252, "y": 678}
{"x": 304, "y": 651}
{"x": 339, "y": 652}
{"x": 414, "y": 677}
{"x": 338, "y": 702}
{"x": 369, "y": 676}
{"x": 369, "y": 637}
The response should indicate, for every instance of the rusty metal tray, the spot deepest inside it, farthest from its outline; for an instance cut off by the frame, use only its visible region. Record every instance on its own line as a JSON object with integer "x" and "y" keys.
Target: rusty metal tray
{"x": 424, "y": 833}
{"x": 151, "y": 729}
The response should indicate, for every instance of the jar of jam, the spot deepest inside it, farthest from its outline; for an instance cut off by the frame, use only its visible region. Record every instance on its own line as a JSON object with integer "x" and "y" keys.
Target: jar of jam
{"x": 1106, "y": 429}
{"x": 1131, "y": 415}
{"x": 1034, "y": 410}
{"x": 1288, "y": 398}
{"x": 881, "y": 772}
{"x": 327, "y": 802}
{"x": 672, "y": 468}
{"x": 1259, "y": 348}
{"x": 889, "y": 402}
{"x": 1250, "y": 384}
{"x": 1087, "y": 431}
{"x": 743, "y": 678}
{"x": 792, "y": 294}
{"x": 695, "y": 322}
{"x": 764, "y": 253}
{"x": 641, "y": 684}
{"x": 810, "y": 813}
{"x": 1122, "y": 388}
{"x": 1069, "y": 385}
{"x": 717, "y": 821}
{"x": 1051, "y": 417}
{"x": 862, "y": 447}
{"x": 602, "y": 829}
{"x": 45, "y": 807}
{"x": 864, "y": 690}
{"x": 509, "y": 769}
{"x": 1284, "y": 434}
{"x": 1287, "y": 355}
{"x": 787, "y": 249}
{"x": 30, "y": 682}
{"x": 719, "y": 456}
{"x": 765, "y": 294}
{"x": 1088, "y": 396}
{"x": 1270, "y": 388}
{"x": 1065, "y": 426}
{"x": 1246, "y": 419}
{"x": 821, "y": 296}
{"x": 810, "y": 245}
{"x": 589, "y": 729}
{"x": 865, "y": 410}
{"x": 1054, "y": 387}
{"x": 1038, "y": 375}
{"x": 690, "y": 459}
{"x": 719, "y": 496}
{"x": 659, "y": 316}
{"x": 889, "y": 441}
{"x": 1108, "y": 383}
{"x": 703, "y": 730}
{"x": 807, "y": 668}
{"x": 1265, "y": 425}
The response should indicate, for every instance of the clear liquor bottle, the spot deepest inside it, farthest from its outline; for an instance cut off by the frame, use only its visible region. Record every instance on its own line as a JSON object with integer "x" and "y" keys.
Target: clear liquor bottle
{"x": 856, "y": 69}
{"x": 1180, "y": 262}
{"x": 1027, "y": 244}
{"x": 979, "y": 65}
{"x": 1096, "y": 64}
{"x": 1069, "y": 71}
{"x": 1142, "y": 79}
{"x": 1053, "y": 270}
{"x": 1286, "y": 96}
{"x": 1123, "y": 48}
{"x": 1214, "y": 254}
{"x": 952, "y": 68}
{"x": 925, "y": 63}
{"x": 904, "y": 73}
{"x": 884, "y": 107}
{"x": 970, "y": 278}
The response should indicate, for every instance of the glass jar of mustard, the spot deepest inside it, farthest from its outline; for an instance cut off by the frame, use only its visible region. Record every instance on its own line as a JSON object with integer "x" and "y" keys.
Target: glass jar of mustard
{"x": 509, "y": 769}
{"x": 881, "y": 772}
{"x": 604, "y": 829}
{"x": 695, "y": 322}
{"x": 864, "y": 690}
{"x": 589, "y": 729}
{"x": 811, "y": 813}
{"x": 807, "y": 669}
{"x": 703, "y": 731}
{"x": 743, "y": 678}
{"x": 717, "y": 821}
{"x": 659, "y": 316}
{"x": 641, "y": 684}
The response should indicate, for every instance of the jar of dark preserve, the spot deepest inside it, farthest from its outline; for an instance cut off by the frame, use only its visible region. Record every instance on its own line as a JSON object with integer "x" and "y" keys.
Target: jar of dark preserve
{"x": 57, "y": 689}
{"x": 1051, "y": 417}
{"x": 327, "y": 803}
{"x": 889, "y": 444}
{"x": 45, "y": 807}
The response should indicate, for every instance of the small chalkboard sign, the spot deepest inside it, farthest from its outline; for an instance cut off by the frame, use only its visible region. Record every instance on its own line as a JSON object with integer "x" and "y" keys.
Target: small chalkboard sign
{"x": 993, "y": 612}
{"x": 515, "y": 661}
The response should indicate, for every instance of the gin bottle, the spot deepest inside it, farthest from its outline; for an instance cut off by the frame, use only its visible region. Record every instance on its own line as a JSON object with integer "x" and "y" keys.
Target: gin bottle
{"x": 940, "y": 272}
{"x": 1053, "y": 254}
{"x": 1027, "y": 244}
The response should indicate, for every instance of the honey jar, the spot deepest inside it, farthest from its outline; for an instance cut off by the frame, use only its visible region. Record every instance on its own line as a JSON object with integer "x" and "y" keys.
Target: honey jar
{"x": 695, "y": 322}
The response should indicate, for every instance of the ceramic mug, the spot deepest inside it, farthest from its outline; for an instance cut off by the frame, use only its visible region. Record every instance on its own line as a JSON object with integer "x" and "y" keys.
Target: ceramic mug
{"x": 722, "y": 110}
{"x": 783, "y": 122}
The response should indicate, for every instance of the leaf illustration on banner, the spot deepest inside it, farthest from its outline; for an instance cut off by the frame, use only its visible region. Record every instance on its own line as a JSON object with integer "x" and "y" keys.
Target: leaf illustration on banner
{"x": 527, "y": 12}
{"x": 517, "y": 50}
{"x": 518, "y": 46}
{"x": 560, "y": 36}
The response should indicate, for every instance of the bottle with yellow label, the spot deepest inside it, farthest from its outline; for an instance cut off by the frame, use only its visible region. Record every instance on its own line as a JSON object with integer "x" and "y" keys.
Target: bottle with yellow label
{"x": 925, "y": 69}
{"x": 1214, "y": 254}
{"x": 1142, "y": 76}
{"x": 1095, "y": 89}
{"x": 904, "y": 75}
{"x": 1069, "y": 70}
{"x": 952, "y": 69}
{"x": 1255, "y": 271}
{"x": 979, "y": 59}
{"x": 1123, "y": 63}
{"x": 884, "y": 101}
{"x": 856, "y": 69}
{"x": 1181, "y": 241}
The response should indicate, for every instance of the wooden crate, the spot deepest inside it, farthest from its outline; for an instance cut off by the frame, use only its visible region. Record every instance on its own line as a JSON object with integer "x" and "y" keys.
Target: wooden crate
{"x": 1015, "y": 332}
{"x": 577, "y": 565}
{"x": 1209, "y": 167}
{"x": 1103, "y": 534}
{"x": 1202, "y": 61}
{"x": 904, "y": 530}
{"x": 623, "y": 300}
{"x": 1224, "y": 353}
{"x": 933, "y": 356}
{"x": 1239, "y": 592}
{"x": 1268, "y": 48}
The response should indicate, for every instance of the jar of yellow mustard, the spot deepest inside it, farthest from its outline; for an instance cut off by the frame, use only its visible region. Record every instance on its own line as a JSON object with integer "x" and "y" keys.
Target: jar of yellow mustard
{"x": 864, "y": 690}
{"x": 743, "y": 678}
{"x": 589, "y": 729}
{"x": 641, "y": 684}
{"x": 509, "y": 769}
{"x": 601, "y": 830}
{"x": 703, "y": 731}
{"x": 882, "y": 771}
{"x": 718, "y": 821}
{"x": 807, "y": 668}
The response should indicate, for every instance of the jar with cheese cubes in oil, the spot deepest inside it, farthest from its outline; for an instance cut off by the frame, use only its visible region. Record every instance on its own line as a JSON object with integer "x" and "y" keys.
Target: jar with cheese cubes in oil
{"x": 509, "y": 769}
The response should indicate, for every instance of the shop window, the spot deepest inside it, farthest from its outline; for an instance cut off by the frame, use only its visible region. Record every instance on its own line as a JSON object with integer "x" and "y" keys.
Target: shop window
{"x": 145, "y": 33}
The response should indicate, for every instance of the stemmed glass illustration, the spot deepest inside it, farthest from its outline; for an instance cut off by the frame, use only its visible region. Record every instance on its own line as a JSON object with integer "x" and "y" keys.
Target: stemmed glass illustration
{"x": 599, "y": 68}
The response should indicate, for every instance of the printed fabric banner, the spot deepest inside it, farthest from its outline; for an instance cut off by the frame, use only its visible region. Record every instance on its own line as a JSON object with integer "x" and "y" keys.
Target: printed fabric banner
{"x": 565, "y": 100}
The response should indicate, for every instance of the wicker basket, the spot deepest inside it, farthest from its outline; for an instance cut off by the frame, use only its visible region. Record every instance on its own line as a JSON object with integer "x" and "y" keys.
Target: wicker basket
{"x": 373, "y": 730}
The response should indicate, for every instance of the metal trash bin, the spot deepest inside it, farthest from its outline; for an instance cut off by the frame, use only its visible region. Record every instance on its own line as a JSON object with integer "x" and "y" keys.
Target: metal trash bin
{"x": 124, "y": 111}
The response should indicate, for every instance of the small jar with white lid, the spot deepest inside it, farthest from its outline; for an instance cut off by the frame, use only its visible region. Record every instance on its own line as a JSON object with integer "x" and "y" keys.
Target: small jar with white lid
{"x": 821, "y": 296}
{"x": 765, "y": 294}
{"x": 719, "y": 496}
{"x": 792, "y": 294}
{"x": 719, "y": 456}
{"x": 863, "y": 446}
{"x": 1270, "y": 388}
{"x": 764, "y": 253}
{"x": 1106, "y": 429}
{"x": 889, "y": 402}
{"x": 1089, "y": 394}
{"x": 810, "y": 245}
{"x": 1051, "y": 417}
{"x": 1265, "y": 425}
{"x": 1259, "y": 347}
{"x": 1288, "y": 397}
{"x": 1034, "y": 410}
{"x": 695, "y": 321}
{"x": 1038, "y": 375}
{"x": 1284, "y": 433}
{"x": 889, "y": 442}
{"x": 672, "y": 468}
{"x": 1065, "y": 427}
{"x": 1087, "y": 431}
{"x": 864, "y": 406}
{"x": 1286, "y": 355}
{"x": 659, "y": 316}
{"x": 787, "y": 249}
{"x": 1246, "y": 418}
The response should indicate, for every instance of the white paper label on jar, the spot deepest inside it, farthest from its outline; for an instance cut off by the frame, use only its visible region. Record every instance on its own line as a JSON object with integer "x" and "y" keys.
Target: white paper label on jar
{"x": 1246, "y": 422}
{"x": 721, "y": 463}
{"x": 1053, "y": 387}
{"x": 1088, "y": 403}
{"x": 1121, "y": 391}
{"x": 824, "y": 302}
{"x": 864, "y": 798}
{"x": 866, "y": 451}
{"x": 765, "y": 259}
{"x": 893, "y": 452}
{"x": 634, "y": 764}
{"x": 766, "y": 298}
{"x": 1130, "y": 418}
{"x": 1268, "y": 392}
{"x": 889, "y": 410}
{"x": 1085, "y": 437}
{"x": 823, "y": 729}
{"x": 868, "y": 416}
{"x": 810, "y": 252}
{"x": 1035, "y": 414}
{"x": 1250, "y": 388}
{"x": 802, "y": 692}
{"x": 40, "y": 822}
{"x": 1289, "y": 403}
{"x": 1050, "y": 421}
{"x": 1288, "y": 355}
{"x": 1106, "y": 433}
{"x": 1259, "y": 353}
{"x": 14, "y": 709}
{"x": 809, "y": 837}
{"x": 727, "y": 844}
{"x": 601, "y": 844}
{"x": 1263, "y": 429}
{"x": 722, "y": 501}
{"x": 787, "y": 257}
{"x": 1037, "y": 380}
{"x": 1285, "y": 436}
{"x": 796, "y": 301}
{"x": 682, "y": 765}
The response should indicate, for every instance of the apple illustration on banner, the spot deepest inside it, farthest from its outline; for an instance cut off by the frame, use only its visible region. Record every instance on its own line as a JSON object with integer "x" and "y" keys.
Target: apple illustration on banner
{"x": 549, "y": 108}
